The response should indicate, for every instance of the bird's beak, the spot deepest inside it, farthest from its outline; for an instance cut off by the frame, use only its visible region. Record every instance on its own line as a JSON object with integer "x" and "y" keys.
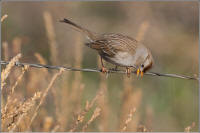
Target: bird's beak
{"x": 139, "y": 72}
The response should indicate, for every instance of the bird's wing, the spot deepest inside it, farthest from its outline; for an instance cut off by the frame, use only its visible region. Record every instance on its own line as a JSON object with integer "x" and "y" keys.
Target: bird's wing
{"x": 110, "y": 44}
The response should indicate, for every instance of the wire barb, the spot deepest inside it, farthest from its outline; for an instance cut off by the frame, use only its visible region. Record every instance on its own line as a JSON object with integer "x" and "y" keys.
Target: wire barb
{"x": 98, "y": 70}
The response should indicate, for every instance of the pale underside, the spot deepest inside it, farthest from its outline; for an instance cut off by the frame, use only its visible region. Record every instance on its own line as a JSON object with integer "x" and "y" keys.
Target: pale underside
{"x": 126, "y": 59}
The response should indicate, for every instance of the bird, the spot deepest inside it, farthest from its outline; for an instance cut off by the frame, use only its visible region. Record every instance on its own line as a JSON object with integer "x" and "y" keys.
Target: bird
{"x": 117, "y": 49}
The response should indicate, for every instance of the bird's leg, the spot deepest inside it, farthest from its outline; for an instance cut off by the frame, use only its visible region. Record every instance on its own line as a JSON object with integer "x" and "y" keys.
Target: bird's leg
{"x": 103, "y": 69}
{"x": 114, "y": 69}
{"x": 141, "y": 74}
{"x": 128, "y": 71}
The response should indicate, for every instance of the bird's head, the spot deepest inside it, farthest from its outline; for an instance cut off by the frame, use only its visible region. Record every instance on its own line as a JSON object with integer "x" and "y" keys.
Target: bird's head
{"x": 146, "y": 65}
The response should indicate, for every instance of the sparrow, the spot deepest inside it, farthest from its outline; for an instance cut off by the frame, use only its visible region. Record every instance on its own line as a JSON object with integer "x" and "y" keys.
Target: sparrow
{"x": 117, "y": 49}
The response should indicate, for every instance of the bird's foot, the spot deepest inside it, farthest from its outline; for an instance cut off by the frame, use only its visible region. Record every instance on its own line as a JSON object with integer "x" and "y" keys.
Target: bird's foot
{"x": 139, "y": 73}
{"x": 104, "y": 70}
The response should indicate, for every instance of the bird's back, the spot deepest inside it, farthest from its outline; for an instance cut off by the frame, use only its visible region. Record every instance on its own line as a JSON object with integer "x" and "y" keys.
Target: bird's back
{"x": 112, "y": 43}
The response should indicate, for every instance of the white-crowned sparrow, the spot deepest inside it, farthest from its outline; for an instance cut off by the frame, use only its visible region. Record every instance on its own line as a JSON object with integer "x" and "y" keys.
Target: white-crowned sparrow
{"x": 118, "y": 49}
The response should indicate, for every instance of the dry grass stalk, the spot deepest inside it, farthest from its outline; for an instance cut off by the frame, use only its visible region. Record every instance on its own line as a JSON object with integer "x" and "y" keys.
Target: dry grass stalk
{"x": 133, "y": 99}
{"x": 130, "y": 115}
{"x": 149, "y": 113}
{"x": 7, "y": 113}
{"x": 25, "y": 108}
{"x": 24, "y": 69}
{"x": 43, "y": 74}
{"x": 44, "y": 95}
{"x": 63, "y": 103}
{"x": 51, "y": 36}
{"x": 10, "y": 95}
{"x": 41, "y": 61}
{"x": 16, "y": 110}
{"x": 4, "y": 17}
{"x": 40, "y": 58}
{"x": 94, "y": 116}
{"x": 6, "y": 51}
{"x": 126, "y": 98}
{"x": 142, "y": 30}
{"x": 14, "y": 125}
{"x": 77, "y": 86}
{"x": 75, "y": 94}
{"x": 189, "y": 128}
{"x": 54, "y": 53}
{"x": 56, "y": 104}
{"x": 8, "y": 68}
{"x": 16, "y": 45}
{"x": 103, "y": 101}
{"x": 76, "y": 89}
{"x": 105, "y": 112}
{"x": 5, "y": 110}
{"x": 81, "y": 116}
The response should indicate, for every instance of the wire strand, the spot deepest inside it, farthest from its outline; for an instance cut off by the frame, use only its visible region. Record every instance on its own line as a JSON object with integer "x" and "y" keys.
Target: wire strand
{"x": 97, "y": 70}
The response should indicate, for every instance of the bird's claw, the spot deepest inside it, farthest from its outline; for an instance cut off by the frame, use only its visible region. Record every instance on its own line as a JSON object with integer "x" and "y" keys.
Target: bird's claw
{"x": 104, "y": 70}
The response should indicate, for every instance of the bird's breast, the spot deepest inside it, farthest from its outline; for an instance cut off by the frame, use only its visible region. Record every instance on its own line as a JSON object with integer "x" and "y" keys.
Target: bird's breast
{"x": 121, "y": 59}
{"x": 126, "y": 58}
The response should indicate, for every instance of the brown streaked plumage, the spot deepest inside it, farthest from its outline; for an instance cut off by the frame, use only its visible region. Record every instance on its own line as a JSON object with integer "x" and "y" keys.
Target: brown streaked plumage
{"x": 118, "y": 49}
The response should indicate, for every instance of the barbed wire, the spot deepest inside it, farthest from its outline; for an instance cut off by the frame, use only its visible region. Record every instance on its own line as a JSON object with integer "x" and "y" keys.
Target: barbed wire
{"x": 97, "y": 70}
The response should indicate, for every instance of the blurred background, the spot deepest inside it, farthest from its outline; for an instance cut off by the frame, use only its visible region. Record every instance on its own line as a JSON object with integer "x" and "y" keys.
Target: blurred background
{"x": 168, "y": 29}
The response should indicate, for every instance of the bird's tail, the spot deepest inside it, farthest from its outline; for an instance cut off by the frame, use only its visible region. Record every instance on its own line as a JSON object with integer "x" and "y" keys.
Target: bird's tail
{"x": 90, "y": 35}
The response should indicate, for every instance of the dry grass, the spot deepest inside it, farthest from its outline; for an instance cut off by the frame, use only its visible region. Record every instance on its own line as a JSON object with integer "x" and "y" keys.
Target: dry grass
{"x": 15, "y": 110}
{"x": 130, "y": 115}
{"x": 44, "y": 95}
{"x": 142, "y": 30}
{"x": 19, "y": 115}
{"x": 16, "y": 45}
{"x": 6, "y": 50}
{"x": 77, "y": 86}
{"x": 94, "y": 116}
{"x": 24, "y": 69}
{"x": 51, "y": 37}
{"x": 87, "y": 108}
{"x": 42, "y": 61}
{"x": 103, "y": 101}
{"x": 7, "y": 70}
{"x": 23, "y": 110}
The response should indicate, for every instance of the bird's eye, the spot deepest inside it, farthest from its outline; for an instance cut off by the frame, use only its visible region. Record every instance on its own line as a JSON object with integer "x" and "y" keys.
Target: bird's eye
{"x": 142, "y": 65}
